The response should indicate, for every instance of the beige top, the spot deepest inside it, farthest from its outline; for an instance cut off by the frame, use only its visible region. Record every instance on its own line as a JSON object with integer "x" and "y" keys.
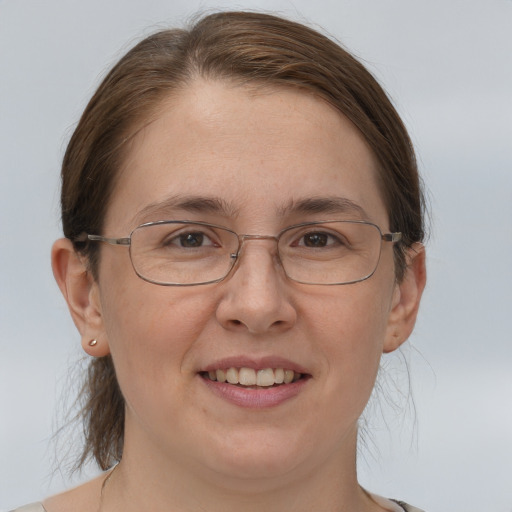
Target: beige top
{"x": 33, "y": 507}
{"x": 395, "y": 507}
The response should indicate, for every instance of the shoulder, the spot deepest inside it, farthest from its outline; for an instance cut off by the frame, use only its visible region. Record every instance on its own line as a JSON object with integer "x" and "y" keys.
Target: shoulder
{"x": 393, "y": 505}
{"x": 83, "y": 498}
{"x": 33, "y": 507}
{"x": 406, "y": 507}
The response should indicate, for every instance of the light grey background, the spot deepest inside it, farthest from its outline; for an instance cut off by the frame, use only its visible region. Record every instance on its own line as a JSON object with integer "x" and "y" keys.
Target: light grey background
{"x": 448, "y": 66}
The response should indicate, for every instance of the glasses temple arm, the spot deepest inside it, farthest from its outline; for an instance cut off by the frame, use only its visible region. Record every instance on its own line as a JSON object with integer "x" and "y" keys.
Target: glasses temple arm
{"x": 392, "y": 237}
{"x": 98, "y": 238}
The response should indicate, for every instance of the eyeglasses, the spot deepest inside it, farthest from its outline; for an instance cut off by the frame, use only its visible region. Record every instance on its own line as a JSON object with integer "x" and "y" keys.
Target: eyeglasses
{"x": 183, "y": 253}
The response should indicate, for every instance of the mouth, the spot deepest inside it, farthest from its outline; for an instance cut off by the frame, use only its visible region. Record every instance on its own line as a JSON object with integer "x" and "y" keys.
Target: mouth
{"x": 250, "y": 378}
{"x": 255, "y": 382}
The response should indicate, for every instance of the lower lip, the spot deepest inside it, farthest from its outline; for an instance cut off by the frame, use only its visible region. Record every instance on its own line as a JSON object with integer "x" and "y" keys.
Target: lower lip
{"x": 255, "y": 398}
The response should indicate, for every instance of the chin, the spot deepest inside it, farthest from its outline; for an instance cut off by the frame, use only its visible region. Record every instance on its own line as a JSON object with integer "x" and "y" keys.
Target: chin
{"x": 258, "y": 461}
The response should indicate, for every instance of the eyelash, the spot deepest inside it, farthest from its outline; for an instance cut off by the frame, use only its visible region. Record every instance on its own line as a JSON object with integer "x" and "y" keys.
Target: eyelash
{"x": 179, "y": 239}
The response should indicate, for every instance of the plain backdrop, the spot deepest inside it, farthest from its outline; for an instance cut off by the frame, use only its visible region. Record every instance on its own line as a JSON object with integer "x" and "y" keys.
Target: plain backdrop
{"x": 448, "y": 67}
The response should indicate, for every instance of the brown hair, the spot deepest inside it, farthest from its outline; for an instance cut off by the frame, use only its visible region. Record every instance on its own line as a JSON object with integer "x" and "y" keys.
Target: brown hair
{"x": 246, "y": 47}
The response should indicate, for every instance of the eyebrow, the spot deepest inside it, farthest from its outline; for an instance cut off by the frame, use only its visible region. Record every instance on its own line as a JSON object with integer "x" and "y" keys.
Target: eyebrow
{"x": 324, "y": 205}
{"x": 192, "y": 204}
{"x": 215, "y": 205}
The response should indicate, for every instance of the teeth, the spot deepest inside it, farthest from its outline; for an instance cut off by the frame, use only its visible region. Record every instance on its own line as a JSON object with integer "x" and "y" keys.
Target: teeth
{"x": 247, "y": 377}
{"x": 265, "y": 377}
{"x": 288, "y": 376}
{"x": 232, "y": 375}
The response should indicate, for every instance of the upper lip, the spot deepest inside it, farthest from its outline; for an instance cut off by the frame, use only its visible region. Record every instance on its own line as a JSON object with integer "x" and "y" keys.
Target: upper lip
{"x": 256, "y": 363}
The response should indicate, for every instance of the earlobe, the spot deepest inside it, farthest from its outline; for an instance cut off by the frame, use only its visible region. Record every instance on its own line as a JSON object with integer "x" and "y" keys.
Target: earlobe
{"x": 406, "y": 299}
{"x": 82, "y": 296}
{"x": 96, "y": 347}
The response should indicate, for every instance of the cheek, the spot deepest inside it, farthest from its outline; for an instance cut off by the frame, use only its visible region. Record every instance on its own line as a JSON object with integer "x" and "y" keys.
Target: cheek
{"x": 350, "y": 328}
{"x": 155, "y": 323}
{"x": 151, "y": 330}
{"x": 353, "y": 318}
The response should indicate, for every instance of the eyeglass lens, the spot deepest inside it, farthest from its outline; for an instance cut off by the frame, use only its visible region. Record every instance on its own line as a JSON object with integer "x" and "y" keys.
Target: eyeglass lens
{"x": 179, "y": 253}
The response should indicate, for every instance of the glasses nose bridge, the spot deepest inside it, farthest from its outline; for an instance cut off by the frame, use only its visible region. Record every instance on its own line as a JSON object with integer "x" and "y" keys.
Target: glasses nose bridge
{"x": 242, "y": 238}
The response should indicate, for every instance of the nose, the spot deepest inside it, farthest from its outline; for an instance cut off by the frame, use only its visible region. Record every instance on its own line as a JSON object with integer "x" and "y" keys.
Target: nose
{"x": 256, "y": 295}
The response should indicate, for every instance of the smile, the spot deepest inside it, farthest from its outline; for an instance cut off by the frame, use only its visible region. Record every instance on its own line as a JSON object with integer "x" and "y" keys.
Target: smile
{"x": 249, "y": 377}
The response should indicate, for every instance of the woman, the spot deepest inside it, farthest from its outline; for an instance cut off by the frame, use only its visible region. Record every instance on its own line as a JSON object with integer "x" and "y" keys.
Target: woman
{"x": 243, "y": 223}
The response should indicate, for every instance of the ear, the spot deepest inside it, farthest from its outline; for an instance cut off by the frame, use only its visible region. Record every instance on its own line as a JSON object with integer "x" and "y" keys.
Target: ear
{"x": 406, "y": 299}
{"x": 82, "y": 296}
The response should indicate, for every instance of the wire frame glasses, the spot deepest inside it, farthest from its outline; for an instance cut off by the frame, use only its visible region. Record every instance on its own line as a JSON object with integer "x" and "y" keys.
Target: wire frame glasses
{"x": 183, "y": 253}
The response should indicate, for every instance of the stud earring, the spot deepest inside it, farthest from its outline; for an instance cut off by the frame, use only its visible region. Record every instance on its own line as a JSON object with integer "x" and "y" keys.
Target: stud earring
{"x": 93, "y": 343}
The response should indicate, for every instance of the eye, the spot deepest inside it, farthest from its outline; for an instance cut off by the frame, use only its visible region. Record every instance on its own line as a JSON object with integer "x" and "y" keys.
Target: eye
{"x": 318, "y": 240}
{"x": 190, "y": 240}
{"x": 195, "y": 239}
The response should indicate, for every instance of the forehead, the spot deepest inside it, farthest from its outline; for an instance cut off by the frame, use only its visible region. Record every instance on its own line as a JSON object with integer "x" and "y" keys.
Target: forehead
{"x": 256, "y": 151}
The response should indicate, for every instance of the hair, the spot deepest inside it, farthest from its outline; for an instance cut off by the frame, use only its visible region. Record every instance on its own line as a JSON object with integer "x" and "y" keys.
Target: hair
{"x": 242, "y": 47}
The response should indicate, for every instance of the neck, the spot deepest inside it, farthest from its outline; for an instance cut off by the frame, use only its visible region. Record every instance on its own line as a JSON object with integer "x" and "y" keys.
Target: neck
{"x": 148, "y": 480}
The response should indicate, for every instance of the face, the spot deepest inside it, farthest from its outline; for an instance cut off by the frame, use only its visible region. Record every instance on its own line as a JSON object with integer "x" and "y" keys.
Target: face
{"x": 244, "y": 159}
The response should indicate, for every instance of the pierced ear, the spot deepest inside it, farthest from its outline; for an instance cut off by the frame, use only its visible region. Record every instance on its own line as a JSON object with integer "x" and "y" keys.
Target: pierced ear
{"x": 82, "y": 296}
{"x": 406, "y": 299}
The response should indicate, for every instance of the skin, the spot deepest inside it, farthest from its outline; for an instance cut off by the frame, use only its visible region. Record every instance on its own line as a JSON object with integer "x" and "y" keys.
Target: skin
{"x": 187, "y": 449}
